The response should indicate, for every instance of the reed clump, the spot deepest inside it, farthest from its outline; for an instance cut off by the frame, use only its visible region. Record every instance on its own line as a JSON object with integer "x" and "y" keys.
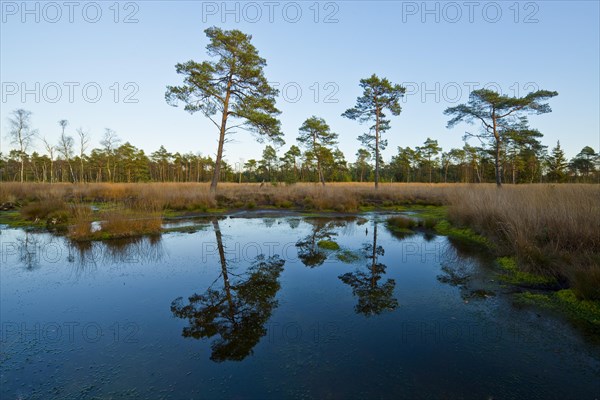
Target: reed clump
{"x": 81, "y": 222}
{"x": 128, "y": 223}
{"x": 553, "y": 230}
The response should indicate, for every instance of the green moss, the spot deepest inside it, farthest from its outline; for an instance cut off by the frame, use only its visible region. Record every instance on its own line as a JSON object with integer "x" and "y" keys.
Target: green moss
{"x": 464, "y": 235}
{"x": 15, "y": 219}
{"x": 428, "y": 212}
{"x": 565, "y": 302}
{"x": 513, "y": 275}
{"x": 218, "y": 210}
{"x": 347, "y": 256}
{"x": 584, "y": 309}
{"x": 103, "y": 235}
{"x": 328, "y": 245}
{"x": 366, "y": 208}
{"x": 533, "y": 299}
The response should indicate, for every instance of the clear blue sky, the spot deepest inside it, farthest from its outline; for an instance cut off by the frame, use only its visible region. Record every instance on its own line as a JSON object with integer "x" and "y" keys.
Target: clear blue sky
{"x": 437, "y": 50}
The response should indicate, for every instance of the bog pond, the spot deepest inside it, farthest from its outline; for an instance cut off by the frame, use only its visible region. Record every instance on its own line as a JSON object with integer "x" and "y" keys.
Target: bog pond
{"x": 283, "y": 307}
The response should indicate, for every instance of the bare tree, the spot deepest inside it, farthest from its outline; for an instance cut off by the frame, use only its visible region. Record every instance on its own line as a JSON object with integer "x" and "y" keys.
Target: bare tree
{"x": 84, "y": 141}
{"x": 21, "y": 134}
{"x": 65, "y": 146}
{"x": 109, "y": 142}
{"x": 50, "y": 148}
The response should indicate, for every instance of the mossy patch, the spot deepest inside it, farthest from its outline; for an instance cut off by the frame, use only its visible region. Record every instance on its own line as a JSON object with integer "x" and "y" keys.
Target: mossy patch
{"x": 366, "y": 208}
{"x": 513, "y": 275}
{"x": 218, "y": 210}
{"x": 426, "y": 212}
{"x": 14, "y": 219}
{"x": 465, "y": 235}
{"x": 585, "y": 309}
{"x": 565, "y": 302}
{"x": 104, "y": 235}
{"x": 328, "y": 245}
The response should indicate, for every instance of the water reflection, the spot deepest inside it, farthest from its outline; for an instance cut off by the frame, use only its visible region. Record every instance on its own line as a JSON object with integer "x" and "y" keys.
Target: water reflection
{"x": 87, "y": 255}
{"x": 28, "y": 251}
{"x": 461, "y": 266}
{"x": 373, "y": 297}
{"x": 435, "y": 346}
{"x": 309, "y": 251}
{"x": 237, "y": 310}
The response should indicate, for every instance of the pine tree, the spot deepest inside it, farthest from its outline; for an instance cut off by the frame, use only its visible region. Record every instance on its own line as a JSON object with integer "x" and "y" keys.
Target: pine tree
{"x": 557, "y": 164}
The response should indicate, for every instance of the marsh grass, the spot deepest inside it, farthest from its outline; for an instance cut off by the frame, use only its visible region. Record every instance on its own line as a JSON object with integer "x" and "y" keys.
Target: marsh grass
{"x": 54, "y": 209}
{"x": 81, "y": 222}
{"x": 128, "y": 223}
{"x": 552, "y": 230}
{"x": 196, "y": 196}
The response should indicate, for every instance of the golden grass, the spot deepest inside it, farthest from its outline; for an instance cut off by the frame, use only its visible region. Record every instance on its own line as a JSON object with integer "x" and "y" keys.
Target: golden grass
{"x": 182, "y": 196}
{"x": 128, "y": 223}
{"x": 553, "y": 230}
{"x": 82, "y": 219}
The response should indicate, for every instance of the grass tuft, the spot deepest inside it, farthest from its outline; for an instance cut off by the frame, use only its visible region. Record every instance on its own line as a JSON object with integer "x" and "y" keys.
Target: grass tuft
{"x": 328, "y": 245}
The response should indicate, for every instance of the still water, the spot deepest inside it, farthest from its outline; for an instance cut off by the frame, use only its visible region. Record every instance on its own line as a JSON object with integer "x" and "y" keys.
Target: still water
{"x": 256, "y": 308}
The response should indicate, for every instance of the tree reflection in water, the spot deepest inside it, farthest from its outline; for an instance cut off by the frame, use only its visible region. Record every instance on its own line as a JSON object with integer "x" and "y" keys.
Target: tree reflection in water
{"x": 235, "y": 312}
{"x": 462, "y": 267}
{"x": 29, "y": 249}
{"x": 309, "y": 251}
{"x": 373, "y": 297}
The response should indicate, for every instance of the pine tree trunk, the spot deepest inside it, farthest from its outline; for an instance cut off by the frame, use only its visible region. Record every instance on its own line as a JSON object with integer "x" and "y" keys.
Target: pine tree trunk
{"x": 377, "y": 149}
{"x": 217, "y": 170}
{"x": 498, "y": 167}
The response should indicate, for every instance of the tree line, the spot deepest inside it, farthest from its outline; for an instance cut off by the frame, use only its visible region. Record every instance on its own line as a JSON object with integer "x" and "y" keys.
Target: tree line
{"x": 233, "y": 93}
{"x": 523, "y": 160}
